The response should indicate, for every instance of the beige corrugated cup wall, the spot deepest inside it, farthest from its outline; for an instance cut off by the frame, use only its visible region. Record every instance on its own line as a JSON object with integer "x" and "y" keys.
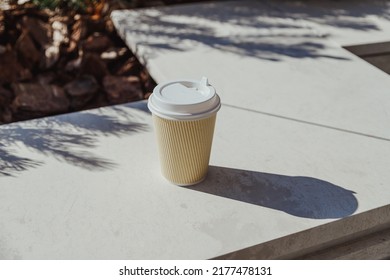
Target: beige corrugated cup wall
{"x": 184, "y": 114}
{"x": 184, "y": 148}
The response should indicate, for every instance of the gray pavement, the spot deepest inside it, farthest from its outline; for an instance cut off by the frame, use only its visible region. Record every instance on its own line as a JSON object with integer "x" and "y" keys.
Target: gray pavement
{"x": 300, "y": 157}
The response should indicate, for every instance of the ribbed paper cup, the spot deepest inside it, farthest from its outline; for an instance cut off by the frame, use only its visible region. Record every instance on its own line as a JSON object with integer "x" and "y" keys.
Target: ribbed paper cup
{"x": 184, "y": 148}
{"x": 184, "y": 114}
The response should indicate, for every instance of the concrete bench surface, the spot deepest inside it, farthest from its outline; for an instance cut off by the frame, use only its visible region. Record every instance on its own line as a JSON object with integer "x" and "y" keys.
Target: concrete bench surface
{"x": 300, "y": 157}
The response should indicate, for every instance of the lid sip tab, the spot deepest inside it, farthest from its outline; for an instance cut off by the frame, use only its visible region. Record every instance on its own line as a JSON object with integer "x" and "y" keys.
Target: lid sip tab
{"x": 204, "y": 82}
{"x": 184, "y": 100}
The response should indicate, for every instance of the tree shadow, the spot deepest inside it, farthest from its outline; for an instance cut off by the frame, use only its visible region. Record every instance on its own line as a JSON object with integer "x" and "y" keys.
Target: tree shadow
{"x": 296, "y": 195}
{"x": 10, "y": 163}
{"x": 69, "y": 138}
{"x": 349, "y": 14}
{"x": 249, "y": 29}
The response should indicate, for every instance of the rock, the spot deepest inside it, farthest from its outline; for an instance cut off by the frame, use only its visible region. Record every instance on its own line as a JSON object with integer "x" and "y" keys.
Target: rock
{"x": 110, "y": 27}
{"x": 72, "y": 47}
{"x": 11, "y": 70}
{"x": 6, "y": 96}
{"x": 95, "y": 25}
{"x": 79, "y": 29}
{"x": 40, "y": 31}
{"x": 2, "y": 28}
{"x": 50, "y": 57}
{"x": 85, "y": 85}
{"x": 5, "y": 115}
{"x": 99, "y": 100}
{"x": 46, "y": 78}
{"x": 60, "y": 33}
{"x": 130, "y": 67}
{"x": 73, "y": 65}
{"x": 93, "y": 65}
{"x": 5, "y": 99}
{"x": 62, "y": 77}
{"x": 27, "y": 51}
{"x": 96, "y": 43}
{"x": 21, "y": 2}
{"x": 52, "y": 50}
{"x": 122, "y": 89}
{"x": 79, "y": 32}
{"x": 36, "y": 100}
{"x": 147, "y": 81}
{"x": 81, "y": 91}
{"x": 113, "y": 54}
{"x": 3, "y": 49}
{"x": 115, "y": 58}
{"x": 4, "y": 5}
{"x": 31, "y": 10}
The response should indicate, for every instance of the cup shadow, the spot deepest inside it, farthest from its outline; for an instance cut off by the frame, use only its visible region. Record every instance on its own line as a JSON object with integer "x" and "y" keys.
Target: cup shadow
{"x": 300, "y": 196}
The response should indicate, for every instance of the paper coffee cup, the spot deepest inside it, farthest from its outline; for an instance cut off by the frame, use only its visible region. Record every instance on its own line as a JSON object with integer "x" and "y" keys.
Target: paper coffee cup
{"x": 184, "y": 113}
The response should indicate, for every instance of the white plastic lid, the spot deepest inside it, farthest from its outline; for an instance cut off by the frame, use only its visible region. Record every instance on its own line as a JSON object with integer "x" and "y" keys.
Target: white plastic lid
{"x": 184, "y": 100}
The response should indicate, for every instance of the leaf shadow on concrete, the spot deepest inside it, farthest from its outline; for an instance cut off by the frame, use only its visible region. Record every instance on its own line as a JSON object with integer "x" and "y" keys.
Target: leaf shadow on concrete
{"x": 70, "y": 138}
{"x": 350, "y": 14}
{"x": 247, "y": 29}
{"x": 296, "y": 195}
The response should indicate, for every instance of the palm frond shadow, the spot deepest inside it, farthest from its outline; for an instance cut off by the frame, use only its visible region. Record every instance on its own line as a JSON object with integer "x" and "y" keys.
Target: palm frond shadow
{"x": 353, "y": 15}
{"x": 246, "y": 29}
{"x": 267, "y": 30}
{"x": 9, "y": 163}
{"x": 69, "y": 138}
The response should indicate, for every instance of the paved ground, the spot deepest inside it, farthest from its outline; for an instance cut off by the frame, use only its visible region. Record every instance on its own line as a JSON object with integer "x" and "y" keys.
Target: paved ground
{"x": 300, "y": 155}
{"x": 298, "y": 102}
